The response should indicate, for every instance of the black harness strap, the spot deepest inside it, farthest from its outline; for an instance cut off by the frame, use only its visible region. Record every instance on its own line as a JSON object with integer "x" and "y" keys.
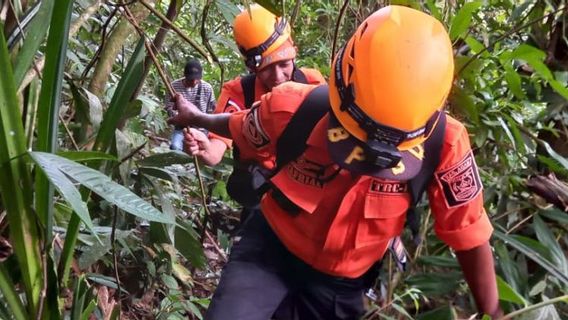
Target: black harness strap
{"x": 299, "y": 76}
{"x": 247, "y": 182}
{"x": 248, "y": 82}
{"x": 417, "y": 186}
{"x": 292, "y": 142}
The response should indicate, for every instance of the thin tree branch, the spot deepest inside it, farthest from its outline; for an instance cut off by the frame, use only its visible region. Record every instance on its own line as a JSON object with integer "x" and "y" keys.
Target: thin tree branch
{"x": 295, "y": 12}
{"x": 69, "y": 133}
{"x": 172, "y": 93}
{"x": 131, "y": 154}
{"x": 102, "y": 44}
{"x": 336, "y": 31}
{"x": 177, "y": 30}
{"x": 205, "y": 40}
{"x": 158, "y": 41}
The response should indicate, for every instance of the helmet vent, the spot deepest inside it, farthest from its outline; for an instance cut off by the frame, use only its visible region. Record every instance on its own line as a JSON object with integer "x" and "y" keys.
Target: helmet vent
{"x": 352, "y": 52}
{"x": 363, "y": 29}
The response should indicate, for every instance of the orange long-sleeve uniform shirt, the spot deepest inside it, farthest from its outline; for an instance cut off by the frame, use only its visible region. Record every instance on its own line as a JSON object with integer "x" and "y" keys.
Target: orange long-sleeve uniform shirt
{"x": 346, "y": 221}
{"x": 232, "y": 98}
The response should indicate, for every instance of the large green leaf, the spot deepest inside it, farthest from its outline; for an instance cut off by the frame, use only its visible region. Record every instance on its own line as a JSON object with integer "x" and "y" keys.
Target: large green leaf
{"x": 106, "y": 188}
{"x": 562, "y": 160}
{"x": 439, "y": 261}
{"x": 15, "y": 183}
{"x": 227, "y": 9}
{"x": 10, "y": 296}
{"x": 121, "y": 97}
{"x": 463, "y": 18}
{"x": 66, "y": 189}
{"x": 81, "y": 156}
{"x": 514, "y": 278}
{"x": 442, "y": 313}
{"x": 96, "y": 251}
{"x": 49, "y": 103}
{"x": 520, "y": 143}
{"x": 460, "y": 98}
{"x": 535, "y": 58}
{"x": 274, "y": 6}
{"x": 34, "y": 37}
{"x": 507, "y": 131}
{"x": 513, "y": 80}
{"x": 506, "y": 293}
{"x": 187, "y": 243}
{"x": 436, "y": 284}
{"x": 531, "y": 251}
{"x": 548, "y": 312}
{"x": 556, "y": 215}
{"x": 159, "y": 173}
{"x": 548, "y": 239}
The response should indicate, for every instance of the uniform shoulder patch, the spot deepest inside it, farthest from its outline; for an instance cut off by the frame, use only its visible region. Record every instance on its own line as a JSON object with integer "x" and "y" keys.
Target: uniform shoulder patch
{"x": 231, "y": 106}
{"x": 253, "y": 129}
{"x": 460, "y": 183}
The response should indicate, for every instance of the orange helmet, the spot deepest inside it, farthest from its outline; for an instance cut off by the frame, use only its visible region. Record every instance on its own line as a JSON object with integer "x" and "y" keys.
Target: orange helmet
{"x": 262, "y": 38}
{"x": 391, "y": 80}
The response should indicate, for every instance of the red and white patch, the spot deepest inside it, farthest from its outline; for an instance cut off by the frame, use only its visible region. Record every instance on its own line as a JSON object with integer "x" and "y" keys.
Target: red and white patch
{"x": 461, "y": 182}
{"x": 231, "y": 106}
{"x": 253, "y": 130}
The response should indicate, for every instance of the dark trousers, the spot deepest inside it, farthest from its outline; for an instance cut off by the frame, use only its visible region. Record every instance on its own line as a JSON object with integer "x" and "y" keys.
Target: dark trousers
{"x": 261, "y": 273}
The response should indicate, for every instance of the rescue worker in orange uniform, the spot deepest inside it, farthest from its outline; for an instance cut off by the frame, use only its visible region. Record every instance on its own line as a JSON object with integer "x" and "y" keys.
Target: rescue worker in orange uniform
{"x": 269, "y": 54}
{"x": 267, "y": 47}
{"x": 330, "y": 214}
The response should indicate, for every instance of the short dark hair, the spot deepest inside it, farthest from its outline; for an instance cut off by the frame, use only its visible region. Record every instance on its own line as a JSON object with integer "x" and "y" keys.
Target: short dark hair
{"x": 193, "y": 70}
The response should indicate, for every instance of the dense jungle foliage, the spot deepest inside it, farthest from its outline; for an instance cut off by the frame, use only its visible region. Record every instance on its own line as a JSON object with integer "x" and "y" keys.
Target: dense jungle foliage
{"x": 99, "y": 220}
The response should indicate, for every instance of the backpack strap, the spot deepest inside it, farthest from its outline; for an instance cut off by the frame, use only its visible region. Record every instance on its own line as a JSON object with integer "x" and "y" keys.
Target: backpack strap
{"x": 247, "y": 83}
{"x": 248, "y": 182}
{"x": 299, "y": 76}
{"x": 198, "y": 98}
{"x": 292, "y": 142}
{"x": 417, "y": 185}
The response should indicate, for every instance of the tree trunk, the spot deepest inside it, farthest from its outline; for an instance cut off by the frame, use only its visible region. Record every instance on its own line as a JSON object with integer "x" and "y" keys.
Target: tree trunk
{"x": 158, "y": 41}
{"x": 551, "y": 189}
{"x": 111, "y": 50}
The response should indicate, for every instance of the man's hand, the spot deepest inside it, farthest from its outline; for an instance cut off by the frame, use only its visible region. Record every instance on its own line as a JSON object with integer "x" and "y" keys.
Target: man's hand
{"x": 185, "y": 113}
{"x": 196, "y": 143}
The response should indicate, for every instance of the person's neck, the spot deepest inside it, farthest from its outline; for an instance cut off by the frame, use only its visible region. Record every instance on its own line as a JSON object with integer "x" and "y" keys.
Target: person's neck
{"x": 189, "y": 84}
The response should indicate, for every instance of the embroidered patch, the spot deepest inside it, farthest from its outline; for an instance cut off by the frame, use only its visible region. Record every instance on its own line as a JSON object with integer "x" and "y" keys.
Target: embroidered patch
{"x": 461, "y": 182}
{"x": 378, "y": 186}
{"x": 306, "y": 172}
{"x": 231, "y": 106}
{"x": 253, "y": 130}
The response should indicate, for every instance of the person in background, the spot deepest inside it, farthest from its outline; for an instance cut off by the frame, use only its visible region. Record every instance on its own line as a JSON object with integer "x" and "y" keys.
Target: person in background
{"x": 193, "y": 89}
{"x": 330, "y": 213}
